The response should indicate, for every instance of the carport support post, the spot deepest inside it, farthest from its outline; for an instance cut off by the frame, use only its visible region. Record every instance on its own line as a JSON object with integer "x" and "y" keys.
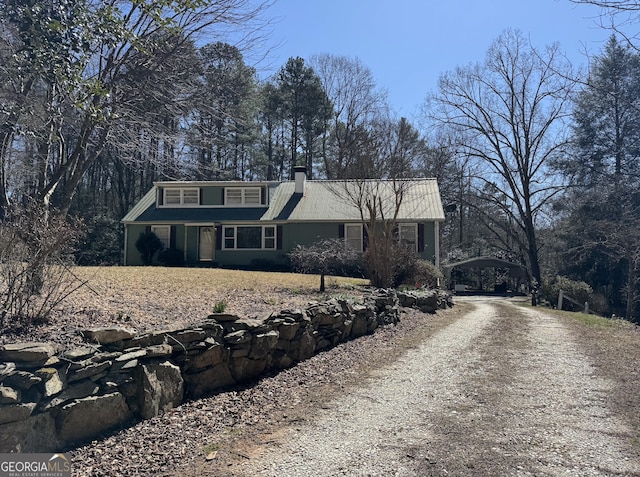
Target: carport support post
{"x": 560, "y": 298}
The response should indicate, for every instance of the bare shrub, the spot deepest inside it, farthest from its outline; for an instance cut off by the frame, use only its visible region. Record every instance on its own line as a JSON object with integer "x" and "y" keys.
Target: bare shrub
{"x": 409, "y": 268}
{"x": 36, "y": 247}
{"x": 327, "y": 257}
{"x": 424, "y": 274}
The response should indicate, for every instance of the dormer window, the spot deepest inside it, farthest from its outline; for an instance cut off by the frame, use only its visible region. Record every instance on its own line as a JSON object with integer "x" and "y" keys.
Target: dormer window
{"x": 175, "y": 197}
{"x": 242, "y": 196}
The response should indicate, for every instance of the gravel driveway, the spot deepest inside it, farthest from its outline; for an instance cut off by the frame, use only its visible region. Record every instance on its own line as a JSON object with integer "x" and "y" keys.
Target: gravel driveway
{"x": 503, "y": 390}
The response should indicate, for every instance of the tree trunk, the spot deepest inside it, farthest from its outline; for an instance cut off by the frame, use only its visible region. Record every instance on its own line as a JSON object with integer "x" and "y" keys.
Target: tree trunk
{"x": 631, "y": 287}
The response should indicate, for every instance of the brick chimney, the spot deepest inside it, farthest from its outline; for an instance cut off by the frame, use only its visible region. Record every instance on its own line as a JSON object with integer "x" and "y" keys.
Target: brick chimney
{"x": 300, "y": 175}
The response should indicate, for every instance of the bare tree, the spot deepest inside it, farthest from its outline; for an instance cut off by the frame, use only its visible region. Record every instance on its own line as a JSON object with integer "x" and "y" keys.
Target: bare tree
{"x": 356, "y": 100}
{"x": 614, "y": 5}
{"x": 82, "y": 93}
{"x": 621, "y": 16}
{"x": 510, "y": 112}
{"x": 379, "y": 204}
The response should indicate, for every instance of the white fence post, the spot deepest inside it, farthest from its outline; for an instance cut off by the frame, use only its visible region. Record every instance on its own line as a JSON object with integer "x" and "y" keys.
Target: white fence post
{"x": 560, "y": 298}
{"x": 586, "y": 307}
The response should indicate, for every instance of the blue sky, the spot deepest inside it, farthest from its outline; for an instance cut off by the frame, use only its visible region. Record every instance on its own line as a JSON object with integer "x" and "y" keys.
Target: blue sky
{"x": 407, "y": 44}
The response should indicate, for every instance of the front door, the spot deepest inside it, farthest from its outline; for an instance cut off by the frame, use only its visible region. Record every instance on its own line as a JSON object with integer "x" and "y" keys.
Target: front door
{"x": 206, "y": 244}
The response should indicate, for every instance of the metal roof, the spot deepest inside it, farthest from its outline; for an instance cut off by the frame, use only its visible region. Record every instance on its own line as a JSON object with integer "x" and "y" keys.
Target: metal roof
{"x": 516, "y": 270}
{"x": 143, "y": 204}
{"x": 484, "y": 262}
{"x": 336, "y": 200}
{"x": 328, "y": 201}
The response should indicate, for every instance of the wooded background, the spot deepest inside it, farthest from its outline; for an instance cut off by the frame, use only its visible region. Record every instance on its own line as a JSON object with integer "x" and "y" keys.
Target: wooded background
{"x": 537, "y": 163}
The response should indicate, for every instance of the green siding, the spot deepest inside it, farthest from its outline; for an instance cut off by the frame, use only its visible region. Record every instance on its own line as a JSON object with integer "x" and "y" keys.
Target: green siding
{"x": 293, "y": 234}
{"x": 131, "y": 252}
{"x": 429, "y": 252}
{"x": 212, "y": 195}
{"x": 134, "y": 231}
{"x": 179, "y": 243}
{"x": 307, "y": 234}
{"x": 247, "y": 258}
{"x": 192, "y": 244}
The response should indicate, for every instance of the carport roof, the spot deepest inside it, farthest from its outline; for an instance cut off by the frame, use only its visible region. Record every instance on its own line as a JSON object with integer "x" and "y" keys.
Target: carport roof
{"x": 483, "y": 262}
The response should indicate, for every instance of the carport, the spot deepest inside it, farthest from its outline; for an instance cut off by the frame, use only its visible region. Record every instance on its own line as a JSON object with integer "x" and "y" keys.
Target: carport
{"x": 486, "y": 275}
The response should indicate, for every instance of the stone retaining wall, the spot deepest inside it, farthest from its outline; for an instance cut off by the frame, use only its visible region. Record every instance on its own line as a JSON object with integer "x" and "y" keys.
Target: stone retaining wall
{"x": 51, "y": 399}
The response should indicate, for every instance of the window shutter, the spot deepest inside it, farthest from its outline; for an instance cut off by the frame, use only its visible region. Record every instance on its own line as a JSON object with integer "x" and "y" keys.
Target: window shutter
{"x": 279, "y": 237}
{"x": 263, "y": 196}
{"x": 200, "y": 196}
{"x": 147, "y": 229}
{"x": 222, "y": 196}
{"x": 172, "y": 237}
{"x": 365, "y": 238}
{"x": 160, "y": 196}
{"x": 219, "y": 235}
{"x": 341, "y": 231}
{"x": 420, "y": 237}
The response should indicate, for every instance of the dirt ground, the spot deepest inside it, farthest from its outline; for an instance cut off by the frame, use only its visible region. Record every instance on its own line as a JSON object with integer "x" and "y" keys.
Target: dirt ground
{"x": 151, "y": 298}
{"x": 486, "y": 388}
{"x": 503, "y": 390}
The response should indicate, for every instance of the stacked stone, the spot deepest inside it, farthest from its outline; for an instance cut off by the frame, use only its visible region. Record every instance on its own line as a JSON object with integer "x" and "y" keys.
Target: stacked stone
{"x": 427, "y": 301}
{"x": 386, "y": 306}
{"x": 52, "y": 398}
{"x": 296, "y": 340}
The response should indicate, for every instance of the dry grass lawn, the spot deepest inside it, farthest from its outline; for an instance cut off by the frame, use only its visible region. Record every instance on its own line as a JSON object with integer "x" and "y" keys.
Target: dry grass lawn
{"x": 147, "y": 298}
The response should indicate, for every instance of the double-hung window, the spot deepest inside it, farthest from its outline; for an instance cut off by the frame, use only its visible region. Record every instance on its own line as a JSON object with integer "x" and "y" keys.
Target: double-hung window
{"x": 353, "y": 236}
{"x": 240, "y": 237}
{"x": 408, "y": 236}
{"x": 247, "y": 196}
{"x": 163, "y": 232}
{"x": 269, "y": 237}
{"x": 174, "y": 197}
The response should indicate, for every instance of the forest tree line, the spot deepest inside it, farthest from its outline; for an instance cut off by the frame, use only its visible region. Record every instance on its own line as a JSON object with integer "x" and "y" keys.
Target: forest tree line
{"x": 537, "y": 163}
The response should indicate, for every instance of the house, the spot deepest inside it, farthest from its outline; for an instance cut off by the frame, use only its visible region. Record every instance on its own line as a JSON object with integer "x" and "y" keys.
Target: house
{"x": 255, "y": 224}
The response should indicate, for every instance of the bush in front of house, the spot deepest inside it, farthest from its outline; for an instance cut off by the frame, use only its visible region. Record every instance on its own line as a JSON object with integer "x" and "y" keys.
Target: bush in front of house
{"x": 425, "y": 274}
{"x": 411, "y": 269}
{"x": 148, "y": 244}
{"x": 171, "y": 257}
{"x": 281, "y": 264}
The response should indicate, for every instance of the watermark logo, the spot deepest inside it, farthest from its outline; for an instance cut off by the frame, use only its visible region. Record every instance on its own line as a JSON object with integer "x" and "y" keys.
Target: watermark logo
{"x": 34, "y": 465}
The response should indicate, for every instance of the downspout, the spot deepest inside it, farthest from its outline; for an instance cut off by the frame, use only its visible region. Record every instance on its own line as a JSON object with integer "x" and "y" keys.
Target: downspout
{"x": 126, "y": 243}
{"x": 184, "y": 253}
{"x": 436, "y": 233}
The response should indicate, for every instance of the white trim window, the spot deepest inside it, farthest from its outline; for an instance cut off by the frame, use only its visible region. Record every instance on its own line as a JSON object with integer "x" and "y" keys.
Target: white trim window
{"x": 269, "y": 237}
{"x": 243, "y": 196}
{"x": 353, "y": 236}
{"x": 249, "y": 237}
{"x": 163, "y": 232}
{"x": 408, "y": 236}
{"x": 174, "y": 197}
